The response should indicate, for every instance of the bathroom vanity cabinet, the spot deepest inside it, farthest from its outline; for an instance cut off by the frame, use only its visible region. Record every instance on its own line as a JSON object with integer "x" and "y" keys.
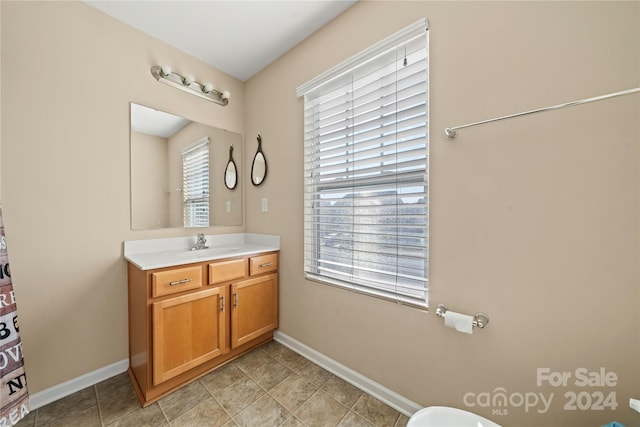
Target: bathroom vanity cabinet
{"x": 186, "y": 320}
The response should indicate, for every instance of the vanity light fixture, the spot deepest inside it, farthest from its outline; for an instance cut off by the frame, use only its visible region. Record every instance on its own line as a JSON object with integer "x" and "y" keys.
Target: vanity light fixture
{"x": 188, "y": 83}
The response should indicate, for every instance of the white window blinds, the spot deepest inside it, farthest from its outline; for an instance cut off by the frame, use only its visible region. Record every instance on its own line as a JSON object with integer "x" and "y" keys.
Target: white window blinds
{"x": 195, "y": 183}
{"x": 366, "y": 170}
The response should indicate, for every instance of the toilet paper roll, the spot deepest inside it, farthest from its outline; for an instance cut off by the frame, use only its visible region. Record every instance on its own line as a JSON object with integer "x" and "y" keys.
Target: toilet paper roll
{"x": 459, "y": 322}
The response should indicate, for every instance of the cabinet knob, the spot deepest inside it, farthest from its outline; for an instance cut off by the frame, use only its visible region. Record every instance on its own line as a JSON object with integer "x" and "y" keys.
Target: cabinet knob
{"x": 235, "y": 300}
{"x": 222, "y": 303}
{"x": 179, "y": 282}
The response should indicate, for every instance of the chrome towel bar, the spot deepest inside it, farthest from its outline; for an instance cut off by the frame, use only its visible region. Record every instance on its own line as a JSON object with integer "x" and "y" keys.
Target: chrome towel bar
{"x": 452, "y": 132}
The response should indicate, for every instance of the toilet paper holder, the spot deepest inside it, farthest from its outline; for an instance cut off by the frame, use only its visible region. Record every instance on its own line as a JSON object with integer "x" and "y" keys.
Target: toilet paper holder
{"x": 480, "y": 320}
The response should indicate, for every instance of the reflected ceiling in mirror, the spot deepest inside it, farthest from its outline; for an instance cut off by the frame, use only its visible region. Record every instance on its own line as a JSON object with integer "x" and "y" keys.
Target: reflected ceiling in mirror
{"x": 159, "y": 198}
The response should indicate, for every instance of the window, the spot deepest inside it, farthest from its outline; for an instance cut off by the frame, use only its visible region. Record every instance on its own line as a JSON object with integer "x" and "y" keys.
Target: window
{"x": 195, "y": 183}
{"x": 366, "y": 170}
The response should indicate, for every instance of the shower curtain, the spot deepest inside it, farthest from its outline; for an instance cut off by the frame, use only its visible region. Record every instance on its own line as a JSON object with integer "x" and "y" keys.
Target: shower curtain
{"x": 14, "y": 396}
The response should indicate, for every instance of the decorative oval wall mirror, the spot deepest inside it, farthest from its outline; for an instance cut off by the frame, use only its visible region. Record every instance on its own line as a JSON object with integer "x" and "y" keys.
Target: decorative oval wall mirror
{"x": 259, "y": 165}
{"x": 231, "y": 172}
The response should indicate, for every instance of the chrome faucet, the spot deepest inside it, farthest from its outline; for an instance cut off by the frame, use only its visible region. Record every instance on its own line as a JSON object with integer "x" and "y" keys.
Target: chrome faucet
{"x": 200, "y": 243}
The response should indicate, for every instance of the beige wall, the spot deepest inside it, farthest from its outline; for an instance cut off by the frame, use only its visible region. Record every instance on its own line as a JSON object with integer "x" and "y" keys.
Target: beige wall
{"x": 149, "y": 181}
{"x": 69, "y": 73}
{"x": 533, "y": 221}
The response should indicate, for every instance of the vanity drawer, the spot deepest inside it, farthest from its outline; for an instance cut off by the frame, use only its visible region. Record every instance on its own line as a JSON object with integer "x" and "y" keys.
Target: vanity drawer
{"x": 223, "y": 271}
{"x": 263, "y": 264}
{"x": 176, "y": 280}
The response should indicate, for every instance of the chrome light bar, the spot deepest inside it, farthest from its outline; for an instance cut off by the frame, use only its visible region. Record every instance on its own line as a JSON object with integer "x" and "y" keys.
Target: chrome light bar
{"x": 165, "y": 75}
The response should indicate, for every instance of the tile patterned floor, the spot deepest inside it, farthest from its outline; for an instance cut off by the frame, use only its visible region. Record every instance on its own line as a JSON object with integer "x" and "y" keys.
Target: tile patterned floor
{"x": 269, "y": 386}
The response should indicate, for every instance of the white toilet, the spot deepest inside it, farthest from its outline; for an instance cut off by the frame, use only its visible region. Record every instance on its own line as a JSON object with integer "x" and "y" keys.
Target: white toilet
{"x": 443, "y": 416}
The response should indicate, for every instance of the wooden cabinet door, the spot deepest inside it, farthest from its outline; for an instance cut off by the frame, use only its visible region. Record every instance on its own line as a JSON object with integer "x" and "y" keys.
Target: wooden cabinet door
{"x": 187, "y": 331}
{"x": 254, "y": 308}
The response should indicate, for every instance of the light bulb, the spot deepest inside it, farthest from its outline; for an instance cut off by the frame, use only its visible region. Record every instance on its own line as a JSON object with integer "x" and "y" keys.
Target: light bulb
{"x": 226, "y": 95}
{"x": 165, "y": 70}
{"x": 188, "y": 80}
{"x": 208, "y": 87}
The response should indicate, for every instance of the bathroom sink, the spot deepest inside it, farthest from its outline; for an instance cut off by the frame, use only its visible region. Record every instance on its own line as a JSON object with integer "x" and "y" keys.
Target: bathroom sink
{"x": 188, "y": 255}
{"x": 209, "y": 252}
{"x": 218, "y": 250}
{"x": 174, "y": 251}
{"x": 443, "y": 416}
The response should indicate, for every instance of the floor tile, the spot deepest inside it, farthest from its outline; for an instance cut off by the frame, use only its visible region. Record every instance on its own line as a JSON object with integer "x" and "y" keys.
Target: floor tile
{"x": 239, "y": 395}
{"x": 208, "y": 413}
{"x": 314, "y": 373}
{"x": 151, "y": 416}
{"x": 251, "y": 360}
{"x": 354, "y": 420}
{"x": 292, "y": 421}
{"x": 68, "y": 407}
{"x": 116, "y": 398}
{"x": 273, "y": 348}
{"x": 87, "y": 417}
{"x": 293, "y": 392}
{"x": 290, "y": 358}
{"x": 402, "y": 421}
{"x": 321, "y": 410}
{"x": 183, "y": 400}
{"x": 222, "y": 378}
{"x": 269, "y": 386}
{"x": 342, "y": 391}
{"x": 29, "y": 420}
{"x": 375, "y": 411}
{"x": 263, "y": 412}
{"x": 270, "y": 374}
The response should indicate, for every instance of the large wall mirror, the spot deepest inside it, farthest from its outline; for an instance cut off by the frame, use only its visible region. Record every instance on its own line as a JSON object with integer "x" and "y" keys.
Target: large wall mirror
{"x": 179, "y": 173}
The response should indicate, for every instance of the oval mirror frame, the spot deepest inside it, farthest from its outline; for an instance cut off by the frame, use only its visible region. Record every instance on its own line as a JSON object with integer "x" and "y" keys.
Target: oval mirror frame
{"x": 259, "y": 165}
{"x": 231, "y": 172}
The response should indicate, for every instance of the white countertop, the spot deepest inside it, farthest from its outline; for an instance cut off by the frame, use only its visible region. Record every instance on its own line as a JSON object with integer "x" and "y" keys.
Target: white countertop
{"x": 159, "y": 253}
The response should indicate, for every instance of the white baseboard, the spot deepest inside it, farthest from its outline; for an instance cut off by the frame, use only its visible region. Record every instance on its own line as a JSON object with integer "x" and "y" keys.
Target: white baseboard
{"x": 44, "y": 397}
{"x": 380, "y": 392}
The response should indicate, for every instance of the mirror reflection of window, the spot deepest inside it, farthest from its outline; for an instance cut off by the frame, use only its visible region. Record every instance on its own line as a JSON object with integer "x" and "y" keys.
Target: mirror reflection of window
{"x": 195, "y": 183}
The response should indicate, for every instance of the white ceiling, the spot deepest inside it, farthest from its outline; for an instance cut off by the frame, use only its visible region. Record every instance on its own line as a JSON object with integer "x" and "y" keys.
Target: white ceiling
{"x": 238, "y": 37}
